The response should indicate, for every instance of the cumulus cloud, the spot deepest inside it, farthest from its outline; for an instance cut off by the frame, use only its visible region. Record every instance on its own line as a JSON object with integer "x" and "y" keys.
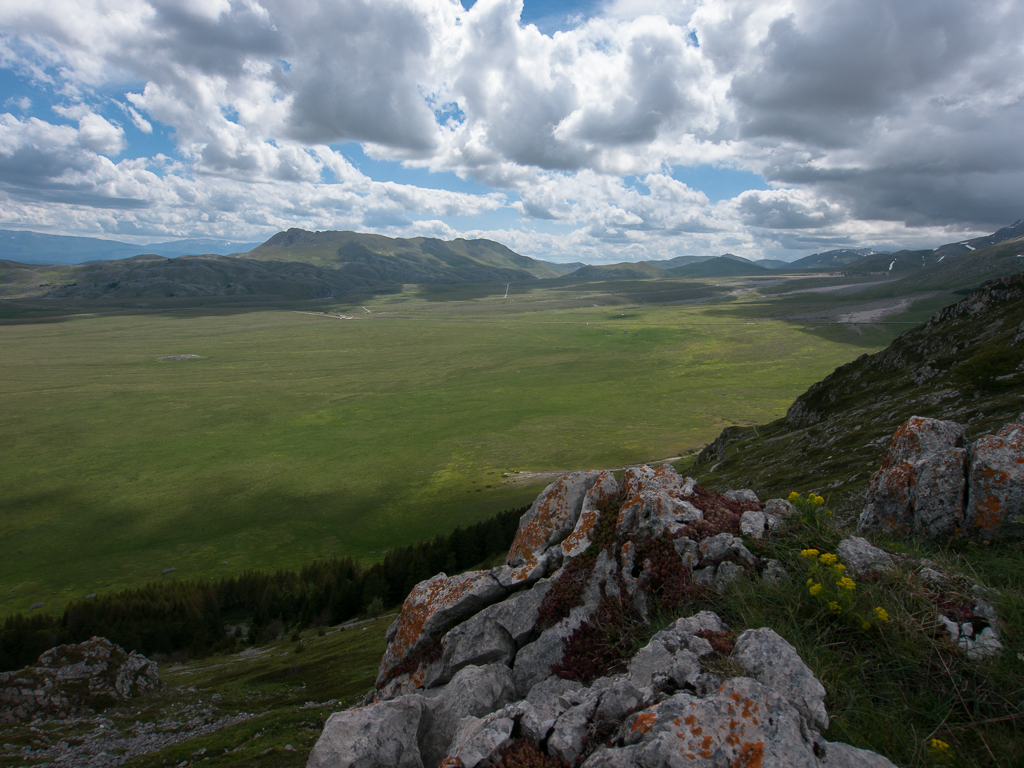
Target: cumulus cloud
{"x": 881, "y": 119}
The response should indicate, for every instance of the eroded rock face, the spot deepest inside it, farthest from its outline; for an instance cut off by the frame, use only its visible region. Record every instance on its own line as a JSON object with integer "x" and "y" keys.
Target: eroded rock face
{"x": 496, "y": 678}
{"x": 552, "y": 517}
{"x": 919, "y": 489}
{"x": 70, "y": 678}
{"x": 932, "y": 484}
{"x": 433, "y": 606}
{"x": 996, "y": 483}
{"x": 382, "y": 734}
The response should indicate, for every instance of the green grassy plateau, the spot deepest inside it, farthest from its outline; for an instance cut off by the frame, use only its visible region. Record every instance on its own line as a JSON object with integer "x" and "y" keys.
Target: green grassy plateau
{"x": 303, "y": 435}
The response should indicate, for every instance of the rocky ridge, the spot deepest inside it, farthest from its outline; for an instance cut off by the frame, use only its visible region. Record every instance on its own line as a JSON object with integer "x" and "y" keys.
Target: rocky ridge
{"x": 965, "y": 364}
{"x": 932, "y": 483}
{"x": 519, "y": 657}
{"x": 71, "y": 679}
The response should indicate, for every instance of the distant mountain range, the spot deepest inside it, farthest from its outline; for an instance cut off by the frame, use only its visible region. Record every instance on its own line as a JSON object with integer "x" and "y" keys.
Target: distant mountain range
{"x": 303, "y": 264}
{"x": 399, "y": 260}
{"x": 36, "y": 248}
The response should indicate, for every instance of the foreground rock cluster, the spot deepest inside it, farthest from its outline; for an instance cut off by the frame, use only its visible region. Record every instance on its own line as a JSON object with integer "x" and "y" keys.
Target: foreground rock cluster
{"x": 933, "y": 483}
{"x": 71, "y": 679}
{"x": 524, "y": 656}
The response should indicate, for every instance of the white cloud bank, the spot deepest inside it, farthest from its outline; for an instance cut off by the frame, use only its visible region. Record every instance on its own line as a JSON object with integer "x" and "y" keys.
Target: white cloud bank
{"x": 883, "y": 121}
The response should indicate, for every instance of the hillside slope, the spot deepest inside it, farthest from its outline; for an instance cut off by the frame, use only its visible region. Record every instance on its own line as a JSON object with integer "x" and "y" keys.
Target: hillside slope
{"x": 150, "y": 276}
{"x": 720, "y": 266}
{"x": 397, "y": 260}
{"x": 965, "y": 364}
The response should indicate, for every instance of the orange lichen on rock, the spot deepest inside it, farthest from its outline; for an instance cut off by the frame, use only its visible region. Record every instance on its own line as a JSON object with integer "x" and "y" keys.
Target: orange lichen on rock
{"x": 431, "y": 606}
{"x": 578, "y": 541}
{"x": 551, "y": 518}
{"x": 751, "y": 755}
{"x": 644, "y": 722}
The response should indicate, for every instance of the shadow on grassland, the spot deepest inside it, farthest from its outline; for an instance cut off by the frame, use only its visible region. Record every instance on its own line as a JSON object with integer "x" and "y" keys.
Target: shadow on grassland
{"x": 63, "y": 543}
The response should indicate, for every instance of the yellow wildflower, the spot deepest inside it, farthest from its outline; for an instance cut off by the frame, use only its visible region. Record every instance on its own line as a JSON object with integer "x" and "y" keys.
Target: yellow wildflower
{"x": 810, "y": 554}
{"x": 794, "y": 496}
{"x": 815, "y": 589}
{"x": 835, "y": 607}
{"x": 818, "y": 501}
{"x": 839, "y": 568}
{"x": 939, "y": 745}
{"x": 881, "y": 614}
{"x": 866, "y": 625}
{"x": 827, "y": 559}
{"x": 847, "y": 583}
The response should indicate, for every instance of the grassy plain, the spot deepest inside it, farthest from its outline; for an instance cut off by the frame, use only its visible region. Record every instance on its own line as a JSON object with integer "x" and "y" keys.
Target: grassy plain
{"x": 302, "y": 435}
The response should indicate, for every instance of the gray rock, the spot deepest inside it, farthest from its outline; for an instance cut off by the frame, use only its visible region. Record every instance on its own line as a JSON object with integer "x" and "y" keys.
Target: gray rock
{"x": 774, "y": 572}
{"x": 551, "y": 519}
{"x": 772, "y": 661}
{"x": 545, "y": 702}
{"x": 618, "y": 699}
{"x": 480, "y": 640}
{"x": 517, "y": 614}
{"x": 688, "y": 551}
{"x": 996, "y": 484}
{"x": 779, "y": 507}
{"x": 431, "y": 607}
{"x": 569, "y": 735}
{"x": 72, "y": 678}
{"x": 604, "y": 490}
{"x": 371, "y": 737}
{"x": 725, "y": 545}
{"x": 743, "y": 723}
{"x": 920, "y": 486}
{"x": 534, "y": 661}
{"x": 651, "y": 662}
{"x": 726, "y": 574}
{"x": 703, "y": 577}
{"x": 745, "y": 494}
{"x": 976, "y": 645}
{"x": 753, "y": 524}
{"x": 479, "y": 740}
{"x": 860, "y": 556}
{"x": 474, "y": 691}
{"x": 774, "y": 522}
{"x": 839, "y": 755}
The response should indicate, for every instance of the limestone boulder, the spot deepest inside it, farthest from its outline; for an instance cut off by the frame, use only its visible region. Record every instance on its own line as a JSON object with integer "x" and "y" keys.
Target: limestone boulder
{"x": 860, "y": 556}
{"x": 744, "y": 494}
{"x": 753, "y": 524}
{"x": 779, "y": 508}
{"x": 654, "y": 500}
{"x": 996, "y": 484}
{"x": 370, "y": 737}
{"x": 548, "y": 522}
{"x": 743, "y": 723}
{"x": 604, "y": 491}
{"x": 479, "y": 740}
{"x": 772, "y": 661}
{"x": 473, "y": 692}
{"x": 544, "y": 704}
{"x": 431, "y": 607}
{"x": 920, "y": 487}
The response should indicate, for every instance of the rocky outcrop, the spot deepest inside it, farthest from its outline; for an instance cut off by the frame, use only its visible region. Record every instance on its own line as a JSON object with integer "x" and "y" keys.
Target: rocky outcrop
{"x": 592, "y": 558}
{"x": 75, "y": 678}
{"x": 932, "y": 484}
{"x": 995, "y": 483}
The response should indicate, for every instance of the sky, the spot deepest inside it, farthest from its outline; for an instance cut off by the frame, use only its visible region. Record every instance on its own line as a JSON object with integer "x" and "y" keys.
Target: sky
{"x": 571, "y": 131}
